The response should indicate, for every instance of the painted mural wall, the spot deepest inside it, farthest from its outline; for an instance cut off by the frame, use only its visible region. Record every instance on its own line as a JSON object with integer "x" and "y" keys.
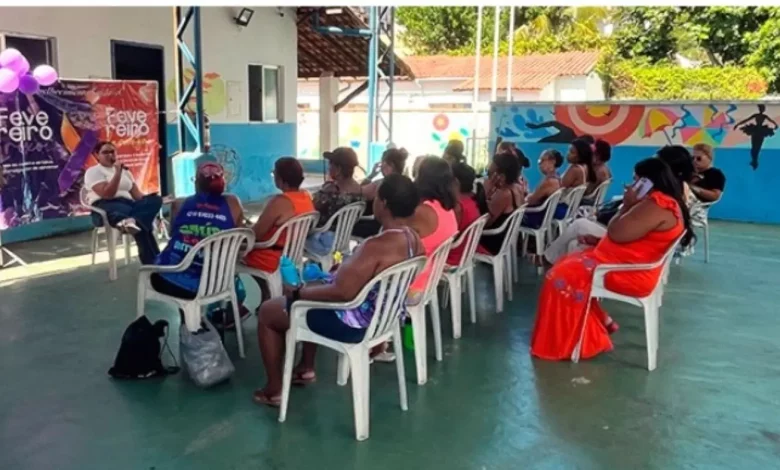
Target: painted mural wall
{"x": 745, "y": 137}
{"x": 418, "y": 132}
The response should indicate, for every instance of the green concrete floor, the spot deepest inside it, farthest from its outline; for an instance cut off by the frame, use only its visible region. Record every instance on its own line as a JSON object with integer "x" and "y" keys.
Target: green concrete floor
{"x": 712, "y": 402}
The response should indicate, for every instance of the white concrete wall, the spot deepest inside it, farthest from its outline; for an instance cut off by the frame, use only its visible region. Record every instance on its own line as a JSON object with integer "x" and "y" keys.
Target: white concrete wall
{"x": 83, "y": 44}
{"x": 595, "y": 87}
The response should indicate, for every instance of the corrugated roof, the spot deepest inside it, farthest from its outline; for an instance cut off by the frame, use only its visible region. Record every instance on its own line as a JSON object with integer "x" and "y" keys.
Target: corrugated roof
{"x": 345, "y": 56}
{"x": 530, "y": 72}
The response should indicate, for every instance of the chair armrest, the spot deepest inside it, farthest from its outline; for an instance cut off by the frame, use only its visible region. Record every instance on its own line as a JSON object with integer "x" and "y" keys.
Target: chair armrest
{"x": 153, "y": 268}
{"x": 494, "y": 231}
{"x": 541, "y": 208}
{"x": 300, "y": 307}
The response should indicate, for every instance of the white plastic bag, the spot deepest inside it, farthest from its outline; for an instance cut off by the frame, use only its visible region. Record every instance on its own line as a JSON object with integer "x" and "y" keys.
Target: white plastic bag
{"x": 204, "y": 357}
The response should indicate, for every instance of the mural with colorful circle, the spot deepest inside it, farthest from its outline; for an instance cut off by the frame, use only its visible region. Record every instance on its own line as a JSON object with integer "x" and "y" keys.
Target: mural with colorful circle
{"x": 444, "y": 132}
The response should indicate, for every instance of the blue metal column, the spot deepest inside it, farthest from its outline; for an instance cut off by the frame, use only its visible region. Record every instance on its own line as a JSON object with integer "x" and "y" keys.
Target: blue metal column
{"x": 373, "y": 52}
{"x": 190, "y": 126}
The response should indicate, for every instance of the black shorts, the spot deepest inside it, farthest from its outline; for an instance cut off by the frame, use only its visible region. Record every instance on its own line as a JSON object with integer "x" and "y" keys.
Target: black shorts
{"x": 326, "y": 322}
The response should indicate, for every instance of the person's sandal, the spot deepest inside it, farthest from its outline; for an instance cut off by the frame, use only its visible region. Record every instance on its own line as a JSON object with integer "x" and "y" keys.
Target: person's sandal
{"x": 301, "y": 378}
{"x": 128, "y": 226}
{"x": 261, "y": 398}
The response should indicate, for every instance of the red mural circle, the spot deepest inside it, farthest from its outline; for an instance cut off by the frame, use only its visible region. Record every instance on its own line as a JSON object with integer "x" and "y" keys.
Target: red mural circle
{"x": 441, "y": 122}
{"x": 612, "y": 123}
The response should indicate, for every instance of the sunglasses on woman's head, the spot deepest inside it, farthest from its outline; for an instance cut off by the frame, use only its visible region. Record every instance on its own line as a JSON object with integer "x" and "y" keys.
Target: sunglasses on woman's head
{"x": 211, "y": 171}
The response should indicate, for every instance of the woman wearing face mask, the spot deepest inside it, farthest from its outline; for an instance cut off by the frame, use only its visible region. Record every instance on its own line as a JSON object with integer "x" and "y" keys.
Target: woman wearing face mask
{"x": 112, "y": 188}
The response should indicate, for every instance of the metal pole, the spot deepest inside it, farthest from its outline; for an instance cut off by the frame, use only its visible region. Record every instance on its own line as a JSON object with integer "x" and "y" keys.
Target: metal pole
{"x": 496, "y": 23}
{"x": 475, "y": 101}
{"x": 511, "y": 57}
{"x": 372, "y": 75}
{"x": 391, "y": 75}
{"x": 199, "y": 77}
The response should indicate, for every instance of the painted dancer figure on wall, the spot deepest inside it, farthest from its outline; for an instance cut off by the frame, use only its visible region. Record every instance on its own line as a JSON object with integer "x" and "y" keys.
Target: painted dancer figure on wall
{"x": 758, "y": 132}
{"x": 564, "y": 136}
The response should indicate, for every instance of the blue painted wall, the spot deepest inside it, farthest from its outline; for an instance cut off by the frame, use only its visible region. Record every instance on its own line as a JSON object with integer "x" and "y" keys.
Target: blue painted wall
{"x": 637, "y": 130}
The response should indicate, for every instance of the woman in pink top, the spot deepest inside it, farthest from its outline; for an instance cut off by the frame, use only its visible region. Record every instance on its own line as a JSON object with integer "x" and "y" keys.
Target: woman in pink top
{"x": 434, "y": 220}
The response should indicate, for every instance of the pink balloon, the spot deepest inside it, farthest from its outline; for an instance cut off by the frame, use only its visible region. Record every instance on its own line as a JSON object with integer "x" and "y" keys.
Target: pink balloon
{"x": 9, "y": 56}
{"x": 20, "y": 66}
{"x": 45, "y": 74}
{"x": 28, "y": 85}
{"x": 9, "y": 81}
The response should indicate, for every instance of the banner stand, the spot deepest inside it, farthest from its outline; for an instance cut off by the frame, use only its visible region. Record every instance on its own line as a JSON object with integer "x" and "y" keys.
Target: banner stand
{"x": 5, "y": 251}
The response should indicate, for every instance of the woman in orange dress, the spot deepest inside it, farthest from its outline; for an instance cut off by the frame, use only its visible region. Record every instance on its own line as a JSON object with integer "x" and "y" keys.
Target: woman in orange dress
{"x": 288, "y": 176}
{"x": 642, "y": 232}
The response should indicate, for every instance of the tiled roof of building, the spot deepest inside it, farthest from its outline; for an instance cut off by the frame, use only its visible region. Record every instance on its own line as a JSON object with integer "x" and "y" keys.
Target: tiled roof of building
{"x": 530, "y": 72}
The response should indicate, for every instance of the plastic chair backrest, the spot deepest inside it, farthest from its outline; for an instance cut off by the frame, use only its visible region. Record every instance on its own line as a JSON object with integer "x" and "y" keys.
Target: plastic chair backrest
{"x": 601, "y": 193}
{"x": 297, "y": 229}
{"x": 470, "y": 238}
{"x": 220, "y": 252}
{"x": 552, "y": 205}
{"x": 436, "y": 262}
{"x": 344, "y": 220}
{"x": 389, "y": 303}
{"x": 512, "y": 228}
{"x": 573, "y": 200}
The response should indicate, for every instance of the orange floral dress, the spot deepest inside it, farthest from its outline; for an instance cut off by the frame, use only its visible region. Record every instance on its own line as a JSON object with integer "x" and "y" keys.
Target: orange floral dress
{"x": 566, "y": 289}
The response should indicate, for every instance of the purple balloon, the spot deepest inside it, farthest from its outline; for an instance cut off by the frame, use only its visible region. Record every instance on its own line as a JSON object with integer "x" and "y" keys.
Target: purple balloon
{"x": 9, "y": 56}
{"x": 28, "y": 85}
{"x": 9, "y": 81}
{"x": 45, "y": 74}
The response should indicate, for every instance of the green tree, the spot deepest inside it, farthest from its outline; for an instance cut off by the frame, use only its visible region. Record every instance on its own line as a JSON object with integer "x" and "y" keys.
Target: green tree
{"x": 646, "y": 32}
{"x": 722, "y": 31}
{"x": 765, "y": 46}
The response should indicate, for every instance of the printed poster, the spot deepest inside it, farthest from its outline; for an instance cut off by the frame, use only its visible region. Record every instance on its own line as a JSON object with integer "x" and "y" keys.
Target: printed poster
{"x": 46, "y": 143}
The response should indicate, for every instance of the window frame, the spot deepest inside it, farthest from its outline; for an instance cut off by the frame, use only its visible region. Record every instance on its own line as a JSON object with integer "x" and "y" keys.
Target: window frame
{"x": 50, "y": 40}
{"x": 279, "y": 93}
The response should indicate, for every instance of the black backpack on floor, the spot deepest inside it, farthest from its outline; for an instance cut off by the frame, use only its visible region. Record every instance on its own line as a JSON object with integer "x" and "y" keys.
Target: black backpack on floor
{"x": 140, "y": 350}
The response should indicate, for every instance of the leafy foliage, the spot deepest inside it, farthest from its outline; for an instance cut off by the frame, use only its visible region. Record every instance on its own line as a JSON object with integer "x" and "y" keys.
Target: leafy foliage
{"x": 671, "y": 82}
{"x": 644, "y": 38}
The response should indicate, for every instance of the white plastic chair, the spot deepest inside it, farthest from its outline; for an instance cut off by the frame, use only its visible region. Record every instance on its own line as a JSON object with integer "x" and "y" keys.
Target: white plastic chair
{"x": 219, "y": 254}
{"x": 454, "y": 275}
{"x": 436, "y": 261}
{"x": 345, "y": 220}
{"x": 650, "y": 303}
{"x": 393, "y": 287}
{"x": 541, "y": 234}
{"x": 297, "y": 229}
{"x": 597, "y": 196}
{"x": 112, "y": 235}
{"x": 573, "y": 199}
{"x": 704, "y": 223}
{"x": 501, "y": 261}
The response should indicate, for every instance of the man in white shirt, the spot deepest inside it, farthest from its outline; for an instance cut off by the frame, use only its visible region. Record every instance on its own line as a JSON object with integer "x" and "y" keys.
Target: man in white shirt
{"x": 111, "y": 188}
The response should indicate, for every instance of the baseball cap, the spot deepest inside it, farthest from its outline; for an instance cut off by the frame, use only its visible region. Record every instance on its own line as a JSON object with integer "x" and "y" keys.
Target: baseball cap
{"x": 344, "y": 157}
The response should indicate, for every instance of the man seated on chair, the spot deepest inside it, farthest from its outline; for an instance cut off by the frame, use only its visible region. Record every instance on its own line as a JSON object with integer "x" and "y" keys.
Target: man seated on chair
{"x": 207, "y": 212}
{"x": 708, "y": 182}
{"x": 395, "y": 203}
{"x": 288, "y": 176}
{"x": 112, "y": 188}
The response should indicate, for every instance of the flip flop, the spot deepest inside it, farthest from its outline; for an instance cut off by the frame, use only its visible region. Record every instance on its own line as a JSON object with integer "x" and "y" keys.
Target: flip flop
{"x": 260, "y": 398}
{"x": 303, "y": 378}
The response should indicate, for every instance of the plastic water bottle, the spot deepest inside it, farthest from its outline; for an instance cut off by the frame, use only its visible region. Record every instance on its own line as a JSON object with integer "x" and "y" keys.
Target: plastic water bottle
{"x": 289, "y": 272}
